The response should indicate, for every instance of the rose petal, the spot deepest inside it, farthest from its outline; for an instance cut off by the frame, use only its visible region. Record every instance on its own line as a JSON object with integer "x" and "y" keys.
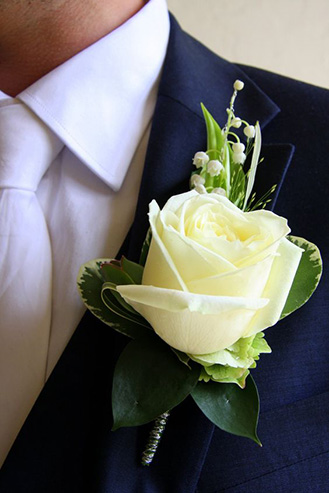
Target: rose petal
{"x": 221, "y": 227}
{"x": 159, "y": 261}
{"x": 248, "y": 282}
{"x": 193, "y": 323}
{"x": 192, "y": 261}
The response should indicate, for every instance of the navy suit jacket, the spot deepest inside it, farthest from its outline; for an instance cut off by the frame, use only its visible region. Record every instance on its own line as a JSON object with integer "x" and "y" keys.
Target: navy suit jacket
{"x": 66, "y": 445}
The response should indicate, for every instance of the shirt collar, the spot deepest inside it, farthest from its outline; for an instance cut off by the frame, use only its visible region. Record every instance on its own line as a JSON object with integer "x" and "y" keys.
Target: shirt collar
{"x": 101, "y": 101}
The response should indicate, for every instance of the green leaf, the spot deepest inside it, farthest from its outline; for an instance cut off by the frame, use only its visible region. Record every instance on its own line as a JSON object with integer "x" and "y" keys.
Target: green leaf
{"x": 148, "y": 380}
{"x": 227, "y": 167}
{"x": 229, "y": 407}
{"x": 117, "y": 273}
{"x": 120, "y": 273}
{"x": 215, "y": 139}
{"x": 145, "y": 247}
{"x": 183, "y": 357}
{"x": 307, "y": 277}
{"x": 135, "y": 271}
{"x": 90, "y": 283}
{"x": 241, "y": 354}
{"x": 113, "y": 272}
{"x": 114, "y": 302}
{"x": 237, "y": 185}
{"x": 231, "y": 365}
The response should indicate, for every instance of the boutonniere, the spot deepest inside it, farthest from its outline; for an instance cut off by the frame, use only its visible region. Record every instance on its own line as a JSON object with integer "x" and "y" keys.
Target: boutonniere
{"x": 216, "y": 270}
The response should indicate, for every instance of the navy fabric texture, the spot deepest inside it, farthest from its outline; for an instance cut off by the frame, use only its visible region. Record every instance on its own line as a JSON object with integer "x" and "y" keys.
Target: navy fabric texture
{"x": 66, "y": 444}
{"x": 292, "y": 443}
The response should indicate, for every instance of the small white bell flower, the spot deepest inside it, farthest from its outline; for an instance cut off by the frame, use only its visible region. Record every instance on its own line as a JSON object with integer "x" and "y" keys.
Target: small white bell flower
{"x": 200, "y": 189}
{"x": 238, "y": 85}
{"x": 197, "y": 180}
{"x": 239, "y": 158}
{"x": 219, "y": 191}
{"x": 236, "y": 122}
{"x": 214, "y": 167}
{"x": 200, "y": 159}
{"x": 238, "y": 148}
{"x": 249, "y": 131}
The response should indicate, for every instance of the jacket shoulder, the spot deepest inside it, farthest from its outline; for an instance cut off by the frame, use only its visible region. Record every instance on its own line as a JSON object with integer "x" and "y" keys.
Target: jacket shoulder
{"x": 282, "y": 89}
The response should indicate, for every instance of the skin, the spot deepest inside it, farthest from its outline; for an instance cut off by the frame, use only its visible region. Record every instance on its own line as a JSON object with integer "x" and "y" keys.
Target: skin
{"x": 38, "y": 35}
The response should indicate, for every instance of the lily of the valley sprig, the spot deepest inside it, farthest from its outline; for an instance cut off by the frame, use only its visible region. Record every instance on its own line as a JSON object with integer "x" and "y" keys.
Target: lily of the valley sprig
{"x": 220, "y": 169}
{"x": 216, "y": 270}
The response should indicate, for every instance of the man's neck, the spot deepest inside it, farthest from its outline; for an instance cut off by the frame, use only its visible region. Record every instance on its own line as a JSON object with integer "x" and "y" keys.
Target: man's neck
{"x": 37, "y": 36}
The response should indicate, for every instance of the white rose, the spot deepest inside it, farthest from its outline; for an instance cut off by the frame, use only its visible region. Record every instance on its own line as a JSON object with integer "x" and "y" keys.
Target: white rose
{"x": 213, "y": 274}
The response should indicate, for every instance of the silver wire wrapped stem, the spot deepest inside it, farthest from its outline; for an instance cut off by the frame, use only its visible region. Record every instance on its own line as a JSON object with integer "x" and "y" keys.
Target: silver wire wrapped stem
{"x": 154, "y": 438}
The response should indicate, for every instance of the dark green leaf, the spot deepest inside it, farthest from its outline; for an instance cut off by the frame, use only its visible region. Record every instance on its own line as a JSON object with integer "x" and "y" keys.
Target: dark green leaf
{"x": 238, "y": 184}
{"x": 90, "y": 283}
{"x": 117, "y": 304}
{"x": 307, "y": 276}
{"x": 110, "y": 289}
{"x": 113, "y": 272}
{"x": 145, "y": 247}
{"x": 183, "y": 357}
{"x": 229, "y": 407}
{"x": 149, "y": 380}
{"x": 215, "y": 138}
{"x": 135, "y": 271}
{"x": 118, "y": 273}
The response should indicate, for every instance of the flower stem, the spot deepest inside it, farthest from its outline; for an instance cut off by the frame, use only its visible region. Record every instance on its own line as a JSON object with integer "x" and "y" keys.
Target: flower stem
{"x": 154, "y": 439}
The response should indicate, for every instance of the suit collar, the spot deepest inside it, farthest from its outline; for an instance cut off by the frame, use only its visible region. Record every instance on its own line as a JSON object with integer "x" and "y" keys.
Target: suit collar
{"x": 192, "y": 74}
{"x": 105, "y": 93}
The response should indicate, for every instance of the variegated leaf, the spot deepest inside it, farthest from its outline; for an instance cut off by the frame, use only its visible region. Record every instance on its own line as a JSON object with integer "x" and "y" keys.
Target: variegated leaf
{"x": 90, "y": 284}
{"x": 307, "y": 276}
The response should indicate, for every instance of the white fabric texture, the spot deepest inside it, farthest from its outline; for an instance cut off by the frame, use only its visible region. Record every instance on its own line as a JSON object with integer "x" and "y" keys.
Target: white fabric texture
{"x": 27, "y": 148}
{"x": 100, "y": 105}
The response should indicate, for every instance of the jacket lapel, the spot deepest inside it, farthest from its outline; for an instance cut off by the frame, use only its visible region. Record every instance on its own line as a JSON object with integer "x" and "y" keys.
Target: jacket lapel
{"x": 192, "y": 75}
{"x": 273, "y": 169}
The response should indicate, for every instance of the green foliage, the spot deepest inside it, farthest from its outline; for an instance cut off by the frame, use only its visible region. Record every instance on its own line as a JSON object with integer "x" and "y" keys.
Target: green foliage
{"x": 183, "y": 357}
{"x": 148, "y": 380}
{"x": 135, "y": 271}
{"x": 215, "y": 138}
{"x": 307, "y": 277}
{"x": 238, "y": 185}
{"x": 96, "y": 283}
{"x": 225, "y": 374}
{"x": 145, "y": 248}
{"x": 231, "y": 365}
{"x": 229, "y": 407}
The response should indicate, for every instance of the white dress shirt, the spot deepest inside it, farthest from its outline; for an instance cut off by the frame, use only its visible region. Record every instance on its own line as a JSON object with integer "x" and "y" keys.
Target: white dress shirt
{"x": 100, "y": 104}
